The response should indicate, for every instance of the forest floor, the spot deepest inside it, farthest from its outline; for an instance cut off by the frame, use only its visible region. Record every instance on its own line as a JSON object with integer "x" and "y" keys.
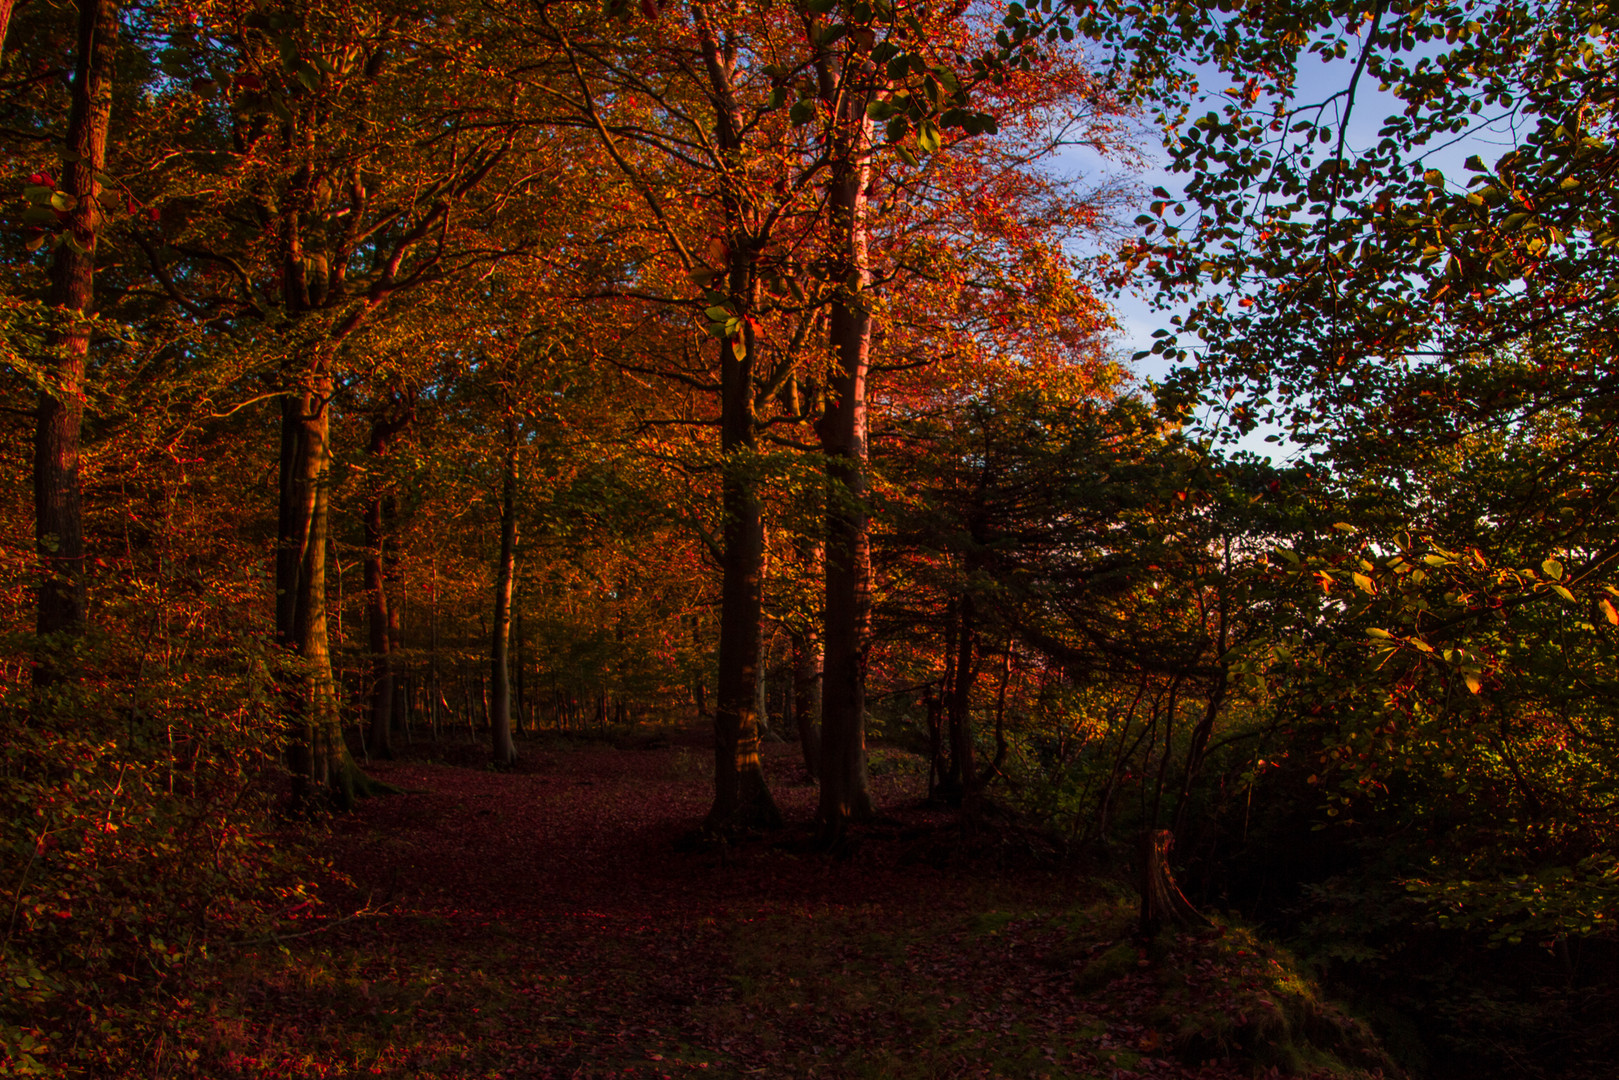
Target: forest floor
{"x": 548, "y": 922}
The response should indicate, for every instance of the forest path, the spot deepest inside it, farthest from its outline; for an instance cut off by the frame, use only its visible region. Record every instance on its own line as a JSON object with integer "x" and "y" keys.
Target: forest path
{"x": 545, "y": 922}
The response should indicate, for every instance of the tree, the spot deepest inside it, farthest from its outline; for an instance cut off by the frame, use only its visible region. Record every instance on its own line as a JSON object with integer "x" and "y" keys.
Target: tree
{"x": 382, "y": 616}
{"x": 58, "y": 512}
{"x": 307, "y": 232}
{"x": 1441, "y": 347}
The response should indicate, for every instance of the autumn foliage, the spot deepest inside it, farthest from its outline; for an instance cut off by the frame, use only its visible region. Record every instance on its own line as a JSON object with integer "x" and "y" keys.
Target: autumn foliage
{"x": 678, "y": 458}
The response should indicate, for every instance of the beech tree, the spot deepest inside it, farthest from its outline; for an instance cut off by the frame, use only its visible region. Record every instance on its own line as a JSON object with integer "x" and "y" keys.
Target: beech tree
{"x": 309, "y": 131}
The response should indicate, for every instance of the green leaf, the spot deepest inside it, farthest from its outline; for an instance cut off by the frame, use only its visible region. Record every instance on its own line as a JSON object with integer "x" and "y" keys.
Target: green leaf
{"x": 1552, "y": 568}
{"x": 1380, "y": 635}
{"x": 928, "y": 137}
{"x": 1564, "y": 593}
{"x": 63, "y": 201}
{"x": 830, "y": 35}
{"x": 802, "y": 112}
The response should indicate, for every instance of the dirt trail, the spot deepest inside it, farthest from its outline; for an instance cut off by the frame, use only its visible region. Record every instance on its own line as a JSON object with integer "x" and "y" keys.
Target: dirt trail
{"x": 545, "y": 922}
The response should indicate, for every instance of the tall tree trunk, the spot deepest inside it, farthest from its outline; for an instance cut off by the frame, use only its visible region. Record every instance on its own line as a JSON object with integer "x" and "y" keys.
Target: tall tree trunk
{"x": 317, "y": 756}
{"x": 845, "y": 795}
{"x": 741, "y": 796}
{"x": 58, "y": 510}
{"x": 500, "y": 713}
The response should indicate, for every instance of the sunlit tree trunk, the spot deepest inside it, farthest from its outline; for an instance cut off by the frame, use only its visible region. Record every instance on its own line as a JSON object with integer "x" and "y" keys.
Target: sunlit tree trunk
{"x": 316, "y": 755}
{"x": 58, "y": 509}
{"x": 500, "y": 689}
{"x": 5, "y": 23}
{"x": 844, "y": 792}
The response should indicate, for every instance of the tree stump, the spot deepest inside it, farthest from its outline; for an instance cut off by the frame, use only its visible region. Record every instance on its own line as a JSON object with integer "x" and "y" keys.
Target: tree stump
{"x": 1161, "y": 899}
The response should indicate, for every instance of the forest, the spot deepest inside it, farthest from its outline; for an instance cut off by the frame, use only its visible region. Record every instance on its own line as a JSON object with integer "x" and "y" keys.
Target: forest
{"x": 605, "y": 538}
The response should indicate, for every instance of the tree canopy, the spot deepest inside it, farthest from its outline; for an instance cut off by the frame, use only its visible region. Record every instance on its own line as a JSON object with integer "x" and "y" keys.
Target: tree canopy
{"x": 384, "y": 376}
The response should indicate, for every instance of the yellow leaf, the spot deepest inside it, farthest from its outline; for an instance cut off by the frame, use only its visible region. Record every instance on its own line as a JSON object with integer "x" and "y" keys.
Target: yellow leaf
{"x": 1552, "y": 568}
{"x": 1363, "y": 581}
{"x": 1608, "y": 609}
{"x": 1472, "y": 681}
{"x": 1564, "y": 593}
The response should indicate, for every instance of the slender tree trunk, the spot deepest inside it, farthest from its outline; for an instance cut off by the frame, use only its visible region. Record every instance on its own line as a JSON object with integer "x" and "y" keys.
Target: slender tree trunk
{"x": 58, "y": 509}
{"x": 400, "y": 597}
{"x": 435, "y": 693}
{"x": 380, "y": 739}
{"x": 741, "y": 797}
{"x": 845, "y": 795}
{"x": 520, "y": 687}
{"x": 934, "y": 703}
{"x": 500, "y": 640}
{"x": 949, "y": 769}
{"x": 699, "y": 685}
{"x": 962, "y": 766}
{"x": 807, "y": 698}
{"x": 382, "y": 617}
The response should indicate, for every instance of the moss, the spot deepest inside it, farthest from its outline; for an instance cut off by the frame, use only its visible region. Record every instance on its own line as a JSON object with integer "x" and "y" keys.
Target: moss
{"x": 1107, "y": 967}
{"x": 1228, "y": 996}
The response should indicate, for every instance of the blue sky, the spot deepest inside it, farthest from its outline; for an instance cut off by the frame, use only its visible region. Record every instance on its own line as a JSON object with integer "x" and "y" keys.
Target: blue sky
{"x": 1137, "y": 316}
